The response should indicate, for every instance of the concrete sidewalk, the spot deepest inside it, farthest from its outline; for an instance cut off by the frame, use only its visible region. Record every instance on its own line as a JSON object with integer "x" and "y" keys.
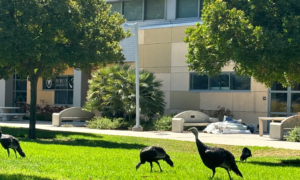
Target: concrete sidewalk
{"x": 228, "y": 139}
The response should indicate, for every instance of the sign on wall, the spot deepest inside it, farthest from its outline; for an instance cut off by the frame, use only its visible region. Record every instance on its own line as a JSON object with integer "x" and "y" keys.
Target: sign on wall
{"x": 59, "y": 82}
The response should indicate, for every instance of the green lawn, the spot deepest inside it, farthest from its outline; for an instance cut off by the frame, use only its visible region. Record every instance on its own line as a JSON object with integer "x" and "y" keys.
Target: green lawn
{"x": 62, "y": 155}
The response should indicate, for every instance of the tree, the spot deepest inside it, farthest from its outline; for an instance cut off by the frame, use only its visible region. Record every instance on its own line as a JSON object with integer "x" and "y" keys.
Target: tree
{"x": 262, "y": 38}
{"x": 43, "y": 38}
{"x": 112, "y": 92}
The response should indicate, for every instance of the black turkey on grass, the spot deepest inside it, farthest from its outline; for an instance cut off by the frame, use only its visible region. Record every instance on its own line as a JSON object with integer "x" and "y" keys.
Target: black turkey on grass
{"x": 214, "y": 157}
{"x": 153, "y": 154}
{"x": 245, "y": 154}
{"x": 8, "y": 141}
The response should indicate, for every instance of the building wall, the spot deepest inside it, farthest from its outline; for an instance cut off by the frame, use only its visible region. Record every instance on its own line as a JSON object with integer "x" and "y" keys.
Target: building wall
{"x": 8, "y": 92}
{"x": 47, "y": 96}
{"x": 163, "y": 51}
{"x": 2, "y": 93}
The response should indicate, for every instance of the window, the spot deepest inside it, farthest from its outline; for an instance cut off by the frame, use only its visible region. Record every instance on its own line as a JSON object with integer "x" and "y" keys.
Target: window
{"x": 116, "y": 7}
{"x": 63, "y": 87}
{"x": 154, "y": 9}
{"x": 133, "y": 10}
{"x": 198, "y": 81}
{"x": 138, "y": 10}
{"x": 19, "y": 93}
{"x": 224, "y": 81}
{"x": 276, "y": 86}
{"x": 239, "y": 82}
{"x": 187, "y": 8}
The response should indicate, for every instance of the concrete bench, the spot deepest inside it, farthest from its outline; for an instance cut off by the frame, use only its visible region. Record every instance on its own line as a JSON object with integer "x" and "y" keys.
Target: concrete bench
{"x": 8, "y": 116}
{"x": 191, "y": 118}
{"x": 277, "y": 129}
{"x": 71, "y": 114}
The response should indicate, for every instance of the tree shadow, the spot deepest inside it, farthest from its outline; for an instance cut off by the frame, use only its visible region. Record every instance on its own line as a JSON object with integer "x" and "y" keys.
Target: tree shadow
{"x": 20, "y": 176}
{"x": 66, "y": 138}
{"x": 44, "y": 134}
{"x": 282, "y": 163}
{"x": 89, "y": 143}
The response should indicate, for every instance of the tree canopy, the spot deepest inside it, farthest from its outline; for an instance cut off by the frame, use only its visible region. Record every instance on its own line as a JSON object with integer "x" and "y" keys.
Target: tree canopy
{"x": 262, "y": 38}
{"x": 43, "y": 38}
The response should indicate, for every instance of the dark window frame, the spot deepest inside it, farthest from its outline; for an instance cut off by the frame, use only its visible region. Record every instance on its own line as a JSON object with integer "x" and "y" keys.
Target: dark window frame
{"x": 209, "y": 88}
{"x": 16, "y": 103}
{"x": 143, "y": 10}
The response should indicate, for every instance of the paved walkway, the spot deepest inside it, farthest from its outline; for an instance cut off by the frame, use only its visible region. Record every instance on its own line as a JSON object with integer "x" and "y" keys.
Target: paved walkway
{"x": 229, "y": 139}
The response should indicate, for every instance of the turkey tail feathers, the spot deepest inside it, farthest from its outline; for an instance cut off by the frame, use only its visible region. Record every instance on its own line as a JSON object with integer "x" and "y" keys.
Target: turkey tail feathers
{"x": 20, "y": 151}
{"x": 237, "y": 171}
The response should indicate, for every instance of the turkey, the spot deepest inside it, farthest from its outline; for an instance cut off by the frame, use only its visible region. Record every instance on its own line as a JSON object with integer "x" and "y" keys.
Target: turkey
{"x": 153, "y": 154}
{"x": 8, "y": 141}
{"x": 245, "y": 154}
{"x": 214, "y": 157}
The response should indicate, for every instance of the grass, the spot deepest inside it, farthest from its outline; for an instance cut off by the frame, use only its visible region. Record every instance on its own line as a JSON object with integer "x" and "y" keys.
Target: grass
{"x": 65, "y": 155}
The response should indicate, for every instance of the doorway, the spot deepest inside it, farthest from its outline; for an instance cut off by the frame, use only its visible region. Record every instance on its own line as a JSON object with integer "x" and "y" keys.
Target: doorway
{"x": 19, "y": 93}
{"x": 284, "y": 101}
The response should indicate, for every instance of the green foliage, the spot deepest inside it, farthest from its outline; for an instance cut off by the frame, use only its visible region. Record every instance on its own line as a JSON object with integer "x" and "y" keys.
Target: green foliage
{"x": 262, "y": 38}
{"x": 112, "y": 92}
{"x": 294, "y": 135}
{"x": 105, "y": 123}
{"x": 163, "y": 124}
{"x": 38, "y": 37}
{"x": 43, "y": 38}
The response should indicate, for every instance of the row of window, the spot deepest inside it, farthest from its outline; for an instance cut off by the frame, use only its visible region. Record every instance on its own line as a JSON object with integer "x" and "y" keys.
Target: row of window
{"x": 224, "y": 81}
{"x": 155, "y": 9}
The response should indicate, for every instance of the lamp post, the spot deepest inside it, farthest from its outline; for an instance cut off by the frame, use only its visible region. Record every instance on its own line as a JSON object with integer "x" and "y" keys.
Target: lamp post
{"x": 137, "y": 126}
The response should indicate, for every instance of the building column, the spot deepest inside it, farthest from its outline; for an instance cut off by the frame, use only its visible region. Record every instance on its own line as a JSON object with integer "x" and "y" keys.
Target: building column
{"x": 80, "y": 88}
{"x": 171, "y": 10}
{"x": 2, "y": 94}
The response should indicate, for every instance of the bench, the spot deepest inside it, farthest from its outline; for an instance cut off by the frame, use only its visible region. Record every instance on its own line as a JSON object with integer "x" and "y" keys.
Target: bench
{"x": 277, "y": 129}
{"x": 70, "y": 115}
{"x": 8, "y": 116}
{"x": 191, "y": 118}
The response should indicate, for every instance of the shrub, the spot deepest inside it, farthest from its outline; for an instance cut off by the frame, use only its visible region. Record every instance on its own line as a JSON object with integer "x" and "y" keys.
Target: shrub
{"x": 44, "y": 111}
{"x": 112, "y": 92}
{"x": 163, "y": 124}
{"x": 219, "y": 113}
{"x": 294, "y": 135}
{"x": 105, "y": 123}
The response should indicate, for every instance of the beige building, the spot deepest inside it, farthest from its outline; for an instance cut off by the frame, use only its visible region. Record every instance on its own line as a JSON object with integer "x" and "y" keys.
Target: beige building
{"x": 162, "y": 51}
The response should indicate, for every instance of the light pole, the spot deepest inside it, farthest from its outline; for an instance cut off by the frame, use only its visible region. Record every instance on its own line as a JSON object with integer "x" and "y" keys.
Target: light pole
{"x": 137, "y": 126}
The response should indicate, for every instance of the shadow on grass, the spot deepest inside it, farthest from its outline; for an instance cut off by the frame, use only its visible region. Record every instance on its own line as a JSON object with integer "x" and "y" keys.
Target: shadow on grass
{"x": 90, "y": 143}
{"x": 20, "y": 176}
{"x": 43, "y": 134}
{"x": 282, "y": 163}
{"x": 67, "y": 138}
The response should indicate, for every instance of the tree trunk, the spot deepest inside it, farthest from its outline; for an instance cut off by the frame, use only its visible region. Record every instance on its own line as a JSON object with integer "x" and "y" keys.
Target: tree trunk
{"x": 33, "y": 95}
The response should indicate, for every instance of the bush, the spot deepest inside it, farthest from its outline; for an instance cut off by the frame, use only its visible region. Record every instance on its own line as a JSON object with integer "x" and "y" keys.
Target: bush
{"x": 44, "y": 111}
{"x": 112, "y": 92}
{"x": 163, "y": 124}
{"x": 219, "y": 113}
{"x": 294, "y": 135}
{"x": 105, "y": 123}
